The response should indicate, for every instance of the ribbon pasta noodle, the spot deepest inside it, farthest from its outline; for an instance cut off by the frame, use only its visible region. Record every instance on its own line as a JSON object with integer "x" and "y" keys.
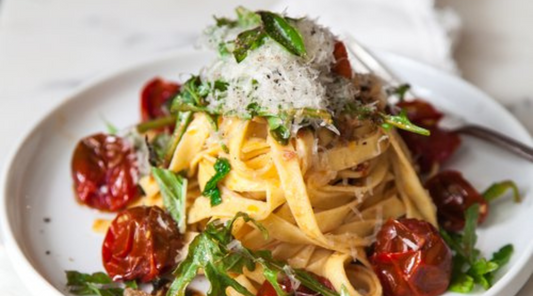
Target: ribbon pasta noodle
{"x": 321, "y": 206}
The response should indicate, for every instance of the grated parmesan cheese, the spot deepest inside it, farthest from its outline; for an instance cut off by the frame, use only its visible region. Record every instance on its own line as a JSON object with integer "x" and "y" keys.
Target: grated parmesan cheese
{"x": 275, "y": 79}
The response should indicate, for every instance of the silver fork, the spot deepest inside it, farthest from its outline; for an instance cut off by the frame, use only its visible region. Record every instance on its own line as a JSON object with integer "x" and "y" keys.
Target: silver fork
{"x": 367, "y": 62}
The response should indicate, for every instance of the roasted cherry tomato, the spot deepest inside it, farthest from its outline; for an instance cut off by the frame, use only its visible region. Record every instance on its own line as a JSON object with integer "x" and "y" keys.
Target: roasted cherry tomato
{"x": 453, "y": 195}
{"x": 411, "y": 259}
{"x": 342, "y": 64}
{"x": 421, "y": 112}
{"x": 141, "y": 244}
{"x": 268, "y": 290}
{"x": 155, "y": 97}
{"x": 428, "y": 150}
{"x": 104, "y": 169}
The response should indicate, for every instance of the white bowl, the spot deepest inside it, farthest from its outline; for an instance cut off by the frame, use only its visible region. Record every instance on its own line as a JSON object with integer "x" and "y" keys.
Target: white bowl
{"x": 37, "y": 184}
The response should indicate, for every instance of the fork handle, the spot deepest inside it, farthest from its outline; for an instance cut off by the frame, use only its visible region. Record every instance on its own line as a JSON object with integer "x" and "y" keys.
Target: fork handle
{"x": 499, "y": 139}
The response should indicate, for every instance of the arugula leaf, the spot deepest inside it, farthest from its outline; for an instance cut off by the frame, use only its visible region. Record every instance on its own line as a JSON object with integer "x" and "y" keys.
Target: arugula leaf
{"x": 469, "y": 235}
{"x": 271, "y": 276}
{"x": 246, "y": 41}
{"x": 210, "y": 251}
{"x": 97, "y": 283}
{"x": 279, "y": 29}
{"x": 157, "y": 148}
{"x": 498, "y": 189}
{"x": 191, "y": 96}
{"x": 225, "y": 22}
{"x": 500, "y": 257}
{"x": 480, "y": 270}
{"x": 111, "y": 128}
{"x": 401, "y": 90}
{"x": 182, "y": 122}
{"x": 462, "y": 284}
{"x": 344, "y": 291}
{"x": 155, "y": 123}
{"x": 247, "y": 18}
{"x": 280, "y": 129}
{"x": 222, "y": 168}
{"x": 173, "y": 187}
{"x": 503, "y": 255}
{"x": 402, "y": 122}
{"x": 469, "y": 268}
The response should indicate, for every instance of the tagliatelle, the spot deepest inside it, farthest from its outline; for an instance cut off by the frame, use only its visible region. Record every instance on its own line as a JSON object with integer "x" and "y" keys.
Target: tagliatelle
{"x": 322, "y": 204}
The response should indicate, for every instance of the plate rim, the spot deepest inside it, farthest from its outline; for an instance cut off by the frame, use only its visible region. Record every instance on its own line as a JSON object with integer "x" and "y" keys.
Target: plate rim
{"x": 511, "y": 281}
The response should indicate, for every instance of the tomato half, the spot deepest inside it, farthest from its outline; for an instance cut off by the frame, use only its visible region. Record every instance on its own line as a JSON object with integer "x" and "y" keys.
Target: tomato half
{"x": 141, "y": 244}
{"x": 104, "y": 170}
{"x": 453, "y": 195}
{"x": 411, "y": 259}
{"x": 268, "y": 290}
{"x": 155, "y": 97}
{"x": 342, "y": 63}
{"x": 428, "y": 150}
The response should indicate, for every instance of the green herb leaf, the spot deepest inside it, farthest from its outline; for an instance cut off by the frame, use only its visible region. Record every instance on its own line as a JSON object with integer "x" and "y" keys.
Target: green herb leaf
{"x": 247, "y": 41}
{"x": 344, "y": 291}
{"x": 279, "y": 29}
{"x": 222, "y": 168}
{"x": 247, "y": 18}
{"x": 271, "y": 275}
{"x": 401, "y": 90}
{"x": 466, "y": 257}
{"x": 503, "y": 255}
{"x": 182, "y": 122}
{"x": 480, "y": 270}
{"x": 111, "y": 128}
{"x": 173, "y": 188}
{"x": 158, "y": 148}
{"x": 215, "y": 252}
{"x": 280, "y": 129}
{"x": 462, "y": 284}
{"x": 191, "y": 96}
{"x": 97, "y": 283}
{"x": 225, "y": 22}
{"x": 498, "y": 189}
{"x": 469, "y": 235}
{"x": 155, "y": 123}
{"x": 402, "y": 122}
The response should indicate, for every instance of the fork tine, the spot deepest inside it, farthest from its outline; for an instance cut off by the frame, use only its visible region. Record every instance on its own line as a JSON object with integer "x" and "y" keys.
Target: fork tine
{"x": 368, "y": 63}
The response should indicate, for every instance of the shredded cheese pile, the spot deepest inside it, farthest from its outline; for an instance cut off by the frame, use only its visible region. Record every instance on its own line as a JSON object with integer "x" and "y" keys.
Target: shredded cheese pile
{"x": 275, "y": 79}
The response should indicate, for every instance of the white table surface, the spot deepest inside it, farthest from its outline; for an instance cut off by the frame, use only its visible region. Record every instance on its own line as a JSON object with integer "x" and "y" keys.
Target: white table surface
{"x": 38, "y": 66}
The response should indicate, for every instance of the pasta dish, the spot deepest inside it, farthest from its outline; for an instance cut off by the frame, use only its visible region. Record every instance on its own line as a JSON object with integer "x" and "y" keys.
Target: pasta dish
{"x": 277, "y": 170}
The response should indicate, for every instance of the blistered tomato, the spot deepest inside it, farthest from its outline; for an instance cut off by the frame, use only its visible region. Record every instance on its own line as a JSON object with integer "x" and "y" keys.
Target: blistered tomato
{"x": 342, "y": 63}
{"x": 142, "y": 243}
{"x": 434, "y": 149}
{"x": 411, "y": 259}
{"x": 453, "y": 195}
{"x": 155, "y": 97}
{"x": 104, "y": 171}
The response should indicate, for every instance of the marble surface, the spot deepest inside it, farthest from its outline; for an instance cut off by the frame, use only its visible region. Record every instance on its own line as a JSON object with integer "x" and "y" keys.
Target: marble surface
{"x": 48, "y": 47}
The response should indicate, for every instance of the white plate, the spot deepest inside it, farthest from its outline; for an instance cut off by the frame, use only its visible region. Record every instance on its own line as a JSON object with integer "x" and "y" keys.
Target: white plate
{"x": 37, "y": 182}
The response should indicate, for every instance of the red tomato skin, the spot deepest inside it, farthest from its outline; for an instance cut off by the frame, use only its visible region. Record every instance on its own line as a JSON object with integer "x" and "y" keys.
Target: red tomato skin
{"x": 154, "y": 97}
{"x": 404, "y": 271}
{"x": 268, "y": 290}
{"x": 428, "y": 150}
{"x": 452, "y": 194}
{"x": 421, "y": 112}
{"x": 342, "y": 64}
{"x": 142, "y": 243}
{"x": 104, "y": 170}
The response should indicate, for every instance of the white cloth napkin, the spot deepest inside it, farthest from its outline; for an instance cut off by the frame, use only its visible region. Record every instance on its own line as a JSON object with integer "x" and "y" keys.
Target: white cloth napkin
{"x": 410, "y": 27}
